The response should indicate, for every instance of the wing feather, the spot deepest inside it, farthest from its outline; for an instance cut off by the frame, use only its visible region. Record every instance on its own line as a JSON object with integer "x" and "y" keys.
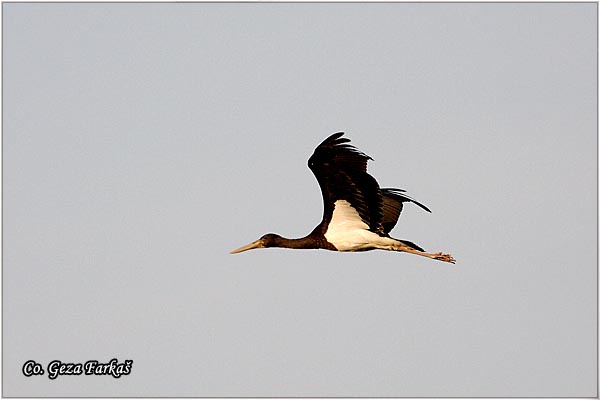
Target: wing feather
{"x": 393, "y": 200}
{"x": 341, "y": 171}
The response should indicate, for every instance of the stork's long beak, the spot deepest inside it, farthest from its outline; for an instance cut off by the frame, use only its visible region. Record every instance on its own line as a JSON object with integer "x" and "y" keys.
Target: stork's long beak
{"x": 254, "y": 245}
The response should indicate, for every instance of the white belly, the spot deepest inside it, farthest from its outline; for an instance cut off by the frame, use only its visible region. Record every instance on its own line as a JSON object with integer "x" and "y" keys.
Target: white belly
{"x": 347, "y": 232}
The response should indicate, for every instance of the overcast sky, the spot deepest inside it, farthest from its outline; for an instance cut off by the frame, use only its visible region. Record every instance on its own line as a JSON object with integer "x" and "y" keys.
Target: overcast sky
{"x": 143, "y": 142}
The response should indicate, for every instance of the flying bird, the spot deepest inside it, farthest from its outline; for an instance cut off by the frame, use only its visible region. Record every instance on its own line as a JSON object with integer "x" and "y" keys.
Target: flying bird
{"x": 357, "y": 214}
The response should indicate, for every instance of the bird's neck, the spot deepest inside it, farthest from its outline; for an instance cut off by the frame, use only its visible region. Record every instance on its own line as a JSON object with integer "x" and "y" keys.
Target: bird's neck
{"x": 306, "y": 242}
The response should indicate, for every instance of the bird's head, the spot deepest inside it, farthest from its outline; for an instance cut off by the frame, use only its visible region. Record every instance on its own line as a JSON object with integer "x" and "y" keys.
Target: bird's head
{"x": 268, "y": 240}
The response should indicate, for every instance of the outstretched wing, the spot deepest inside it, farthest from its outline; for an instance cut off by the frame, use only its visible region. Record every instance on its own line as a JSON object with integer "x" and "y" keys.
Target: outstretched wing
{"x": 392, "y": 206}
{"x": 341, "y": 170}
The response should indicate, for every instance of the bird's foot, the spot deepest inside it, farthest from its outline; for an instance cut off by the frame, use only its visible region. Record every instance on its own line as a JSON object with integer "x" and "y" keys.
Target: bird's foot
{"x": 444, "y": 257}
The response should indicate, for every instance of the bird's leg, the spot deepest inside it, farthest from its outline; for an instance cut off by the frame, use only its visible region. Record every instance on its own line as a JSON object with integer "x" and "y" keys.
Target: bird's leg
{"x": 435, "y": 256}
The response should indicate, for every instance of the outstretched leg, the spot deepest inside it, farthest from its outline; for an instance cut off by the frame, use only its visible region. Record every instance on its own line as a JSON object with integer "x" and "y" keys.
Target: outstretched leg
{"x": 435, "y": 256}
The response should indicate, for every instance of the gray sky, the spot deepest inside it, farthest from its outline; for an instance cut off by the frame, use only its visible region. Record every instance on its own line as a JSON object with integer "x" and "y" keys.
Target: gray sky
{"x": 142, "y": 142}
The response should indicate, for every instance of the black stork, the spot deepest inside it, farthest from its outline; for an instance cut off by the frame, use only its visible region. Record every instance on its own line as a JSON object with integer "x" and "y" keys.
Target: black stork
{"x": 357, "y": 214}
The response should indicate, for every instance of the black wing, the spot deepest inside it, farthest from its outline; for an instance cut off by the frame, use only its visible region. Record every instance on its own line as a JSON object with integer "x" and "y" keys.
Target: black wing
{"x": 392, "y": 206}
{"x": 341, "y": 170}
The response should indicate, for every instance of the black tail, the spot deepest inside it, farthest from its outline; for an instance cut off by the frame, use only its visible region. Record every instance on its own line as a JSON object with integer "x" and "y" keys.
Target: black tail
{"x": 411, "y": 244}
